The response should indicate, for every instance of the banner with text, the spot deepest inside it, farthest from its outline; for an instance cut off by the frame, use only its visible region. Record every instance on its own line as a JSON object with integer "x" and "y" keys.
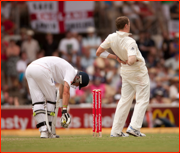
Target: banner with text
{"x": 60, "y": 16}
{"x": 22, "y": 118}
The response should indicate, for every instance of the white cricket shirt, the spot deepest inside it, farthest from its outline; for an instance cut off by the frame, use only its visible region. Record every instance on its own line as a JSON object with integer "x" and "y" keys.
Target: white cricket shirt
{"x": 61, "y": 70}
{"x": 124, "y": 46}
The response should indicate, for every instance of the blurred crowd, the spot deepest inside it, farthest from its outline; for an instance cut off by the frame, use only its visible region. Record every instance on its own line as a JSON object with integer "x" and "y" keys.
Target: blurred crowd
{"x": 162, "y": 56}
{"x": 144, "y": 15}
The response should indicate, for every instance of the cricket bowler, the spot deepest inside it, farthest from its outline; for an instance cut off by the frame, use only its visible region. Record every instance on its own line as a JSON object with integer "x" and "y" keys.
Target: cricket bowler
{"x": 135, "y": 78}
{"x": 42, "y": 74}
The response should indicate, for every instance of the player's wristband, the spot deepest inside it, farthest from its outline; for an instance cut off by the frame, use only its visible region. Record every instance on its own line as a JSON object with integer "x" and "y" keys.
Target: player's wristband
{"x": 104, "y": 54}
{"x": 64, "y": 111}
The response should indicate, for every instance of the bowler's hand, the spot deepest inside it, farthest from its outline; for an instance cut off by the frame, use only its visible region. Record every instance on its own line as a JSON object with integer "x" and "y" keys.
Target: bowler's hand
{"x": 119, "y": 60}
{"x": 129, "y": 64}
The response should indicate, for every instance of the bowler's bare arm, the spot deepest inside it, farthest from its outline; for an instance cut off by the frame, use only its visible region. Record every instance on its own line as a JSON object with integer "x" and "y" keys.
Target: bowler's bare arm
{"x": 131, "y": 60}
{"x": 101, "y": 50}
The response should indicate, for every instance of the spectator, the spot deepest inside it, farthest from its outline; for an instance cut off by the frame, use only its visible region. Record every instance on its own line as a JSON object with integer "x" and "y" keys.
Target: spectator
{"x": 99, "y": 68}
{"x": 108, "y": 4}
{"x": 175, "y": 101}
{"x": 86, "y": 60}
{"x": 174, "y": 11}
{"x": 78, "y": 37}
{"x": 78, "y": 64}
{"x": 91, "y": 42}
{"x": 4, "y": 45}
{"x": 5, "y": 88}
{"x": 173, "y": 62}
{"x": 174, "y": 45}
{"x": 79, "y": 96}
{"x": 112, "y": 76}
{"x": 142, "y": 44}
{"x": 5, "y": 98}
{"x": 177, "y": 72}
{"x": 151, "y": 61}
{"x": 159, "y": 88}
{"x": 7, "y": 26}
{"x": 161, "y": 22}
{"x": 88, "y": 95}
{"x": 118, "y": 6}
{"x": 166, "y": 45}
{"x": 21, "y": 67}
{"x": 50, "y": 45}
{"x": 166, "y": 9}
{"x": 165, "y": 75}
{"x": 10, "y": 101}
{"x": 101, "y": 19}
{"x": 28, "y": 100}
{"x": 14, "y": 8}
{"x": 69, "y": 47}
{"x": 2, "y": 98}
{"x": 40, "y": 54}
{"x": 147, "y": 13}
{"x": 56, "y": 53}
{"x": 30, "y": 46}
{"x": 23, "y": 13}
{"x": 150, "y": 43}
{"x": 152, "y": 76}
{"x": 5, "y": 9}
{"x": 174, "y": 88}
{"x": 83, "y": 96}
{"x": 13, "y": 56}
{"x": 149, "y": 40}
{"x": 146, "y": 44}
{"x": 23, "y": 37}
{"x": 98, "y": 85}
{"x": 131, "y": 10}
{"x": 159, "y": 98}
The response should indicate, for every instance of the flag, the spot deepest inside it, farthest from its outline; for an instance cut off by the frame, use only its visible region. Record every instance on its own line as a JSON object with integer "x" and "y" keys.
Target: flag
{"x": 60, "y": 16}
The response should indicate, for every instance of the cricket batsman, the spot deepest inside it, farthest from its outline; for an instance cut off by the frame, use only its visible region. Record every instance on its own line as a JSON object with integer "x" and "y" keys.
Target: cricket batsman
{"x": 41, "y": 76}
{"x": 135, "y": 78}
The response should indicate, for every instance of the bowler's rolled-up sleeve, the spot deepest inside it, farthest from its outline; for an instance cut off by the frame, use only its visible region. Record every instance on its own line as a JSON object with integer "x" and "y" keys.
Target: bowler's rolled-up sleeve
{"x": 132, "y": 49}
{"x": 107, "y": 43}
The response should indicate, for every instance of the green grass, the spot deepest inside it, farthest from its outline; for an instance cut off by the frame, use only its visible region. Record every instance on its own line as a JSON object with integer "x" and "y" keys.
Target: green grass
{"x": 86, "y": 143}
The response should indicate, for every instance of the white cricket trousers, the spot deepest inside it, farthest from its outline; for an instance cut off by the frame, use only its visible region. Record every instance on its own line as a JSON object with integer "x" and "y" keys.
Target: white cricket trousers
{"x": 133, "y": 83}
{"x": 41, "y": 83}
{"x": 42, "y": 88}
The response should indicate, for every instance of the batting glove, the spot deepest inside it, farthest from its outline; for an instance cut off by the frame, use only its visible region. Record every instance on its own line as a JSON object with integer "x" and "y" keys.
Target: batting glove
{"x": 65, "y": 119}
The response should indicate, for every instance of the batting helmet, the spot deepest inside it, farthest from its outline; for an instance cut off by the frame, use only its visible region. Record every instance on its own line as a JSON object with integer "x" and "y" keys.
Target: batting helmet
{"x": 84, "y": 79}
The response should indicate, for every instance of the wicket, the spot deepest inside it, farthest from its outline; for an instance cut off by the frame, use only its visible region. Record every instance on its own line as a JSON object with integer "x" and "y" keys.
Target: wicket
{"x": 97, "y": 113}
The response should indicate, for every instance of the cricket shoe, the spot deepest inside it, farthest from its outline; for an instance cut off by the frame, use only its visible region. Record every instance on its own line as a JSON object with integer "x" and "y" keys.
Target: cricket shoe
{"x": 134, "y": 132}
{"x": 53, "y": 135}
{"x": 120, "y": 135}
{"x": 44, "y": 134}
